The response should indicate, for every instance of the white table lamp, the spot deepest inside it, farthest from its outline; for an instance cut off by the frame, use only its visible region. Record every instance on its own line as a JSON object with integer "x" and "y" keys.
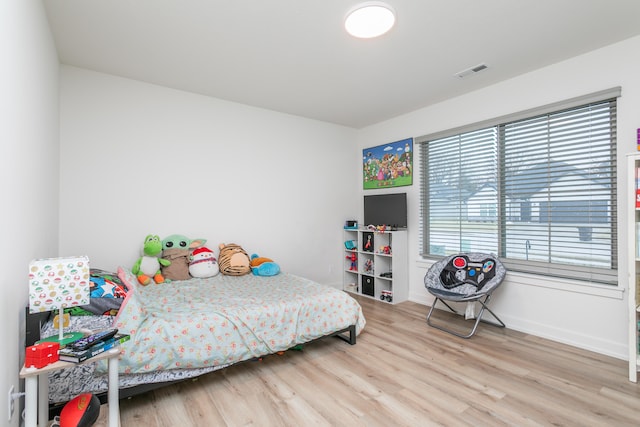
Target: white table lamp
{"x": 56, "y": 284}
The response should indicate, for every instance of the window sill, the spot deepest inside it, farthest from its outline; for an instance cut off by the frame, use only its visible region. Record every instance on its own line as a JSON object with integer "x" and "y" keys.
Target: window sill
{"x": 558, "y": 284}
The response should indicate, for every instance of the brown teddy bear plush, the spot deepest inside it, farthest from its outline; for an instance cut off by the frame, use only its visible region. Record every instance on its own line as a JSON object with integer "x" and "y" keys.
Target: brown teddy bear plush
{"x": 233, "y": 260}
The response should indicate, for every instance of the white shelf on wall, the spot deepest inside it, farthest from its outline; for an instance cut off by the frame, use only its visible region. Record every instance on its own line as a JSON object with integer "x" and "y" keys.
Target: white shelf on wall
{"x": 633, "y": 215}
{"x": 380, "y": 268}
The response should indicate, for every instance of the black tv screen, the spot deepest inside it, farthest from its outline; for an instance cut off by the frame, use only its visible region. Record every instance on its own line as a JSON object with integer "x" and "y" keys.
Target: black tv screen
{"x": 386, "y": 209}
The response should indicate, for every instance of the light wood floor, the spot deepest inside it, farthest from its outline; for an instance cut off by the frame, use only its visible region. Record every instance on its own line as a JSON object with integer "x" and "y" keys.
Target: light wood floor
{"x": 404, "y": 373}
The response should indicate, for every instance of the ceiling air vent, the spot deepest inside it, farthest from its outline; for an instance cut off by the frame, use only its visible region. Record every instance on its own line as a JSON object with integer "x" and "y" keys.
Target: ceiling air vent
{"x": 470, "y": 71}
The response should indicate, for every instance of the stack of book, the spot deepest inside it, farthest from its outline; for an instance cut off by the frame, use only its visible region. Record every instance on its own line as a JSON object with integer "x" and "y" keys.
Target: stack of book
{"x": 71, "y": 354}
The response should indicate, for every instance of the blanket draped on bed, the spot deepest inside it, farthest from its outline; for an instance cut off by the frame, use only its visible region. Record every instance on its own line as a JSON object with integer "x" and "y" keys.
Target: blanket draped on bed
{"x": 226, "y": 319}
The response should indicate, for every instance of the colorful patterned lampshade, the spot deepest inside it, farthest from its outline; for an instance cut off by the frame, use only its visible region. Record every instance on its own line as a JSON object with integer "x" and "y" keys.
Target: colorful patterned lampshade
{"x": 58, "y": 283}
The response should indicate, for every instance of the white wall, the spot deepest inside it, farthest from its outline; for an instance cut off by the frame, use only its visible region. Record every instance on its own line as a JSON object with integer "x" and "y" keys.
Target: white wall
{"x": 588, "y": 317}
{"x": 138, "y": 159}
{"x": 141, "y": 159}
{"x": 28, "y": 170}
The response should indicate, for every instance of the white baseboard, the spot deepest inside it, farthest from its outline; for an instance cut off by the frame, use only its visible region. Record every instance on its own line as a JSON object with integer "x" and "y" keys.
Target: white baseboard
{"x": 553, "y": 333}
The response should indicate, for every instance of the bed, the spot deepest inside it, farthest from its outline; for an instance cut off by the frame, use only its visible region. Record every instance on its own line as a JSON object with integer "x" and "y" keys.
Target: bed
{"x": 185, "y": 329}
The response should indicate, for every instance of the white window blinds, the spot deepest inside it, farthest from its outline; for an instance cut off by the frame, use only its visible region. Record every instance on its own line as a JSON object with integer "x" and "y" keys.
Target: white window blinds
{"x": 538, "y": 191}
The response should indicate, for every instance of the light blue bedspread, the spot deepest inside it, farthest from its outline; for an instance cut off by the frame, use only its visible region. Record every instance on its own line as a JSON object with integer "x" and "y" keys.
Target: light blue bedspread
{"x": 226, "y": 319}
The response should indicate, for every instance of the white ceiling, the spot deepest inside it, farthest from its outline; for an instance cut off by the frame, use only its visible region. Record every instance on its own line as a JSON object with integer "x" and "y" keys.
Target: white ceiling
{"x": 294, "y": 56}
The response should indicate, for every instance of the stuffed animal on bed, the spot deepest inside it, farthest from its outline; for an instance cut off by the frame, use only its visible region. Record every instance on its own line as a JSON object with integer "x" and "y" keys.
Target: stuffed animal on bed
{"x": 203, "y": 263}
{"x": 233, "y": 260}
{"x": 149, "y": 264}
{"x": 261, "y": 266}
{"x": 176, "y": 249}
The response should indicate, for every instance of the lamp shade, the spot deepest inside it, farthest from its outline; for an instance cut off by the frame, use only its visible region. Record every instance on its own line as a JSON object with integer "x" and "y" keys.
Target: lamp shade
{"x": 57, "y": 283}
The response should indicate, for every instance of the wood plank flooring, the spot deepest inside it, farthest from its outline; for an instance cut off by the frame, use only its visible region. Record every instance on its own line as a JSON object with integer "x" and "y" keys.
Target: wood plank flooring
{"x": 404, "y": 373}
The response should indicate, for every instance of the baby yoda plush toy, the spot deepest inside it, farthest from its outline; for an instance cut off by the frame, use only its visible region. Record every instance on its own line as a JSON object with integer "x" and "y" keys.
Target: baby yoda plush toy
{"x": 148, "y": 265}
{"x": 176, "y": 249}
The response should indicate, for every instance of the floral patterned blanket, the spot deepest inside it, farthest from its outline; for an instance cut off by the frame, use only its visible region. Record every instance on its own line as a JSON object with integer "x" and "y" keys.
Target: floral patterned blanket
{"x": 226, "y": 319}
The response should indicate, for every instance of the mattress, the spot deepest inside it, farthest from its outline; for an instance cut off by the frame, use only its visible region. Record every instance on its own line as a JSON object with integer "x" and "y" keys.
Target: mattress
{"x": 200, "y": 323}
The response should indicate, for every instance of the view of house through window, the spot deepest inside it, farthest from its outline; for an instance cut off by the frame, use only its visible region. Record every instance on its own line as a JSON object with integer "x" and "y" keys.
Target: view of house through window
{"x": 539, "y": 192}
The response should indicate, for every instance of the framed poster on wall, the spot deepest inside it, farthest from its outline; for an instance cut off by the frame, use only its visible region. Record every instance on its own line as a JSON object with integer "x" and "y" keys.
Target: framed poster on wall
{"x": 388, "y": 165}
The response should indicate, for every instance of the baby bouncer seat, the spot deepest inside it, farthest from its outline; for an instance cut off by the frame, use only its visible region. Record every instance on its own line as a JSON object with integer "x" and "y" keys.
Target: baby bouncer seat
{"x": 465, "y": 277}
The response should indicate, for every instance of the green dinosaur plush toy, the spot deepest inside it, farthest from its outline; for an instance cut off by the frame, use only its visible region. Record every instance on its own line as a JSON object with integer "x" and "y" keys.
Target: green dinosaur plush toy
{"x": 148, "y": 265}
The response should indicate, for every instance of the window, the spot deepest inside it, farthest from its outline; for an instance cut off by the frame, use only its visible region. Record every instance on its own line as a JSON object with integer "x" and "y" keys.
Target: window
{"x": 538, "y": 189}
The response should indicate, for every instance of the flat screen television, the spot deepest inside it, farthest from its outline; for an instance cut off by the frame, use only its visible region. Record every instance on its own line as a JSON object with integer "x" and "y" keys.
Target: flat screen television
{"x": 386, "y": 209}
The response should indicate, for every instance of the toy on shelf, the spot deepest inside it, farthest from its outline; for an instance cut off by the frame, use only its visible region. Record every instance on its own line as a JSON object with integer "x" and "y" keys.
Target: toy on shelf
{"x": 351, "y": 245}
{"x": 354, "y": 261}
{"x": 386, "y": 250}
{"x": 386, "y": 295}
{"x": 368, "y": 266}
{"x": 368, "y": 244}
{"x": 351, "y": 225}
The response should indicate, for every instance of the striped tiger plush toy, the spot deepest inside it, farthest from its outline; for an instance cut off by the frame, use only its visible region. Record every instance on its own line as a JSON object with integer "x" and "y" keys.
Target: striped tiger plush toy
{"x": 233, "y": 260}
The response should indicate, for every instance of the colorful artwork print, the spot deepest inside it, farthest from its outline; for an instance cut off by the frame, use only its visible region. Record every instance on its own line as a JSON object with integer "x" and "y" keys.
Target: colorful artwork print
{"x": 389, "y": 165}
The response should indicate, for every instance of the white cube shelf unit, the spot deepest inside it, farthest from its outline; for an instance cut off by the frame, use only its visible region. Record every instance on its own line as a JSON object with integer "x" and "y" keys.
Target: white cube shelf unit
{"x": 375, "y": 264}
{"x": 633, "y": 222}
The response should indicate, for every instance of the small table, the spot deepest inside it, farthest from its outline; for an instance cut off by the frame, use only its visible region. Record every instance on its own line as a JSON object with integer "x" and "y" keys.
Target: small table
{"x": 36, "y": 385}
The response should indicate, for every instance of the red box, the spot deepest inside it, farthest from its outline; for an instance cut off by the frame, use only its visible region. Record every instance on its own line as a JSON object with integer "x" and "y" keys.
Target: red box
{"x": 41, "y": 355}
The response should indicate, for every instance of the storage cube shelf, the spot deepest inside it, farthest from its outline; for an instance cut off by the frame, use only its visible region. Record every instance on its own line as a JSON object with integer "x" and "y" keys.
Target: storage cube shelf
{"x": 377, "y": 266}
{"x": 633, "y": 173}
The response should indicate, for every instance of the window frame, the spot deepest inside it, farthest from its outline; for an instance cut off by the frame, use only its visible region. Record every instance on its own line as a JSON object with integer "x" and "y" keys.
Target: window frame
{"x": 590, "y": 274}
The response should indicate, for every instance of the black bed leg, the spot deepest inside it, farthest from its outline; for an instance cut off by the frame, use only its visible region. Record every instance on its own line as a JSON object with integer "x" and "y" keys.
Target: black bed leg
{"x": 352, "y": 334}
{"x": 351, "y": 330}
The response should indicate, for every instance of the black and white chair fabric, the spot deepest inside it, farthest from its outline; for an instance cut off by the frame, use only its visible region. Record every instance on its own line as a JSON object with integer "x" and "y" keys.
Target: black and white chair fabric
{"x": 465, "y": 277}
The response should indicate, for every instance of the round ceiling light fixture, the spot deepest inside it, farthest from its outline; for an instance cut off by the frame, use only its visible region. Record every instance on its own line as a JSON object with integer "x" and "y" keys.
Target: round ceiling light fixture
{"x": 370, "y": 19}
